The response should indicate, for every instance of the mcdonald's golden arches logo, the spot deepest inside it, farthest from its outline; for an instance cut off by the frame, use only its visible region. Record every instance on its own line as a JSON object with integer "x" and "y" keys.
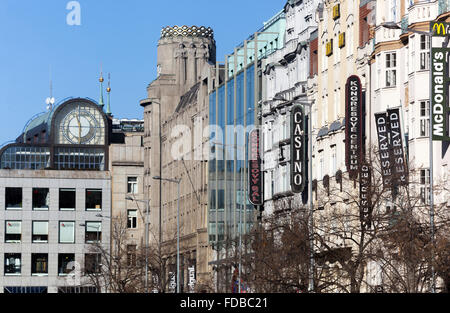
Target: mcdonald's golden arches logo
{"x": 439, "y": 28}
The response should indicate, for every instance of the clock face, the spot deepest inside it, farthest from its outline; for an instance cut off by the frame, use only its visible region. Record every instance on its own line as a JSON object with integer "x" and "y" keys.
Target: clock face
{"x": 81, "y": 125}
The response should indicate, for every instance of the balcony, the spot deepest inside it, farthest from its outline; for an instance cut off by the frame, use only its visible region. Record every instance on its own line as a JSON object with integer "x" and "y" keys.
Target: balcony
{"x": 425, "y": 11}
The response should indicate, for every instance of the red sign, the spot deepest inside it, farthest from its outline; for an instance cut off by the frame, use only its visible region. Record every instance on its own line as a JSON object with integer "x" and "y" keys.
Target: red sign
{"x": 255, "y": 175}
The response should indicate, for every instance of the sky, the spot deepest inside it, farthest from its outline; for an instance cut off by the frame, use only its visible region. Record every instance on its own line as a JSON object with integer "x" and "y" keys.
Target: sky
{"x": 118, "y": 36}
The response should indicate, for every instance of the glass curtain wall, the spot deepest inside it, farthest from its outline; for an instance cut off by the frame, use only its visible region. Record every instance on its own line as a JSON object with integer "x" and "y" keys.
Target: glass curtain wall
{"x": 233, "y": 113}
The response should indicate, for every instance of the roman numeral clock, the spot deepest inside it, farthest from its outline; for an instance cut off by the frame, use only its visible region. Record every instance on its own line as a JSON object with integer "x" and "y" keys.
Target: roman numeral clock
{"x": 81, "y": 125}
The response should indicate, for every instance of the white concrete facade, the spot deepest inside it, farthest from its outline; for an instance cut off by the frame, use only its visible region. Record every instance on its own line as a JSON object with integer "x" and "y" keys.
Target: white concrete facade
{"x": 54, "y": 180}
{"x": 285, "y": 76}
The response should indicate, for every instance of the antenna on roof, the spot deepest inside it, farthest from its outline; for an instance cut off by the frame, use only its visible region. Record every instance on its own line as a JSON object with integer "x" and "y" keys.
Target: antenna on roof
{"x": 50, "y": 101}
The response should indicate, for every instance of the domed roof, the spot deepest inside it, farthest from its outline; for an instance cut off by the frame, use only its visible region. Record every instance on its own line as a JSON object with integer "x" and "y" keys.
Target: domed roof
{"x": 43, "y": 120}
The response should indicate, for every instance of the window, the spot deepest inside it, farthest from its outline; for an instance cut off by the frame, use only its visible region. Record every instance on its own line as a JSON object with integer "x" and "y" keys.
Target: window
{"x": 67, "y": 200}
{"x": 336, "y": 102}
{"x": 391, "y": 72}
{"x": 41, "y": 199}
{"x": 66, "y": 263}
{"x": 13, "y": 198}
{"x": 93, "y": 232}
{"x": 329, "y": 48}
{"x": 79, "y": 158}
{"x": 40, "y": 232}
{"x": 76, "y": 290}
{"x": 92, "y": 263}
{"x": 321, "y": 169}
{"x": 66, "y": 232}
{"x": 132, "y": 185}
{"x": 39, "y": 264}
{"x": 424, "y": 118}
{"x": 132, "y": 219}
{"x": 13, "y": 264}
{"x": 425, "y": 186}
{"x": 349, "y": 40}
{"x": 13, "y": 232}
{"x": 424, "y": 52}
{"x": 131, "y": 255}
{"x": 393, "y": 10}
{"x": 26, "y": 158}
{"x": 93, "y": 199}
{"x": 25, "y": 290}
{"x": 333, "y": 161}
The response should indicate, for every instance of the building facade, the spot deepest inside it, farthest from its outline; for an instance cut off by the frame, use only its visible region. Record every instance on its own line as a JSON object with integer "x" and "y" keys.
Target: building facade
{"x": 285, "y": 77}
{"x": 235, "y": 96}
{"x": 127, "y": 172}
{"x": 174, "y": 112}
{"x": 56, "y": 190}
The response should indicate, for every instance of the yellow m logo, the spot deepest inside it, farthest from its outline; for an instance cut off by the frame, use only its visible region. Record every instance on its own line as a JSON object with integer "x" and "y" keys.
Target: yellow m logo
{"x": 438, "y": 28}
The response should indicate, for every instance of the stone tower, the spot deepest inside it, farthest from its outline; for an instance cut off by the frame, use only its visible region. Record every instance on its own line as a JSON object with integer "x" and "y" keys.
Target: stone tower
{"x": 182, "y": 54}
{"x": 186, "y": 55}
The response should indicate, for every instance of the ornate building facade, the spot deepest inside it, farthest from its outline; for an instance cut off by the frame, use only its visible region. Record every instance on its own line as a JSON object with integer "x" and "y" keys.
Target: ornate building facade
{"x": 176, "y": 107}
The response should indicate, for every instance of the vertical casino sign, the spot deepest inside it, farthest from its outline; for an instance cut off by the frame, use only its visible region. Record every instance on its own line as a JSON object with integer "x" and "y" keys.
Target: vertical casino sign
{"x": 255, "y": 179}
{"x": 353, "y": 126}
{"x": 298, "y": 149}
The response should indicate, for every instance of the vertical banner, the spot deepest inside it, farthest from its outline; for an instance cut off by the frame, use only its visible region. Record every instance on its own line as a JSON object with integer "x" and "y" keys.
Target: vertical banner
{"x": 439, "y": 94}
{"x": 365, "y": 205}
{"x": 255, "y": 175}
{"x": 384, "y": 147}
{"x": 298, "y": 149}
{"x": 192, "y": 278}
{"x": 353, "y": 125}
{"x": 398, "y": 161}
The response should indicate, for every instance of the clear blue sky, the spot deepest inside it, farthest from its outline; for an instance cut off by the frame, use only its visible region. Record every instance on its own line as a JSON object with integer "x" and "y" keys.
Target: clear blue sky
{"x": 122, "y": 35}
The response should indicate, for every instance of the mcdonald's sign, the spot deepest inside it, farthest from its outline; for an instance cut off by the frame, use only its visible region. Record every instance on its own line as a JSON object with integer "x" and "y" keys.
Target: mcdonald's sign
{"x": 440, "y": 29}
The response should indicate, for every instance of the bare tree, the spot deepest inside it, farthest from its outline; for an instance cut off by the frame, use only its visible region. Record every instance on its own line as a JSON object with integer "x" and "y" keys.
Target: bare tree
{"x": 115, "y": 269}
{"x": 381, "y": 242}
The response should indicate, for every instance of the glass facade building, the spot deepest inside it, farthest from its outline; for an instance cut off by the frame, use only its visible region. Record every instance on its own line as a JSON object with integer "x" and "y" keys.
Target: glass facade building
{"x": 233, "y": 107}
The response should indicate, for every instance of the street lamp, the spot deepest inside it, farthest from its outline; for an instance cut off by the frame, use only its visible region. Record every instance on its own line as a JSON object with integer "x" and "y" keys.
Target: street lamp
{"x": 176, "y": 181}
{"x": 147, "y": 211}
{"x": 393, "y": 25}
{"x": 311, "y": 204}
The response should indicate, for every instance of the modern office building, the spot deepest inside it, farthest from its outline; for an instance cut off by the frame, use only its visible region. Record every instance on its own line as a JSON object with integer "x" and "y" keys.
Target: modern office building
{"x": 63, "y": 182}
{"x": 54, "y": 183}
{"x": 235, "y": 96}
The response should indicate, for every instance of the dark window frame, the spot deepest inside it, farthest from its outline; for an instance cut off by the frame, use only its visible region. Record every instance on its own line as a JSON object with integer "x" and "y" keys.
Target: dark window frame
{"x": 36, "y": 206}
